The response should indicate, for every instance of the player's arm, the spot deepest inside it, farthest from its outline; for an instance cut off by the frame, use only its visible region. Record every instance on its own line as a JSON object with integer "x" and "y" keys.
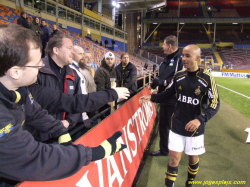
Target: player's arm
{"x": 214, "y": 102}
{"x": 161, "y": 97}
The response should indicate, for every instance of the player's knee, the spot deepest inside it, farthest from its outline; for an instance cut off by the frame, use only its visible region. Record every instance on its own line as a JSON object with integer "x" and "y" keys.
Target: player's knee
{"x": 174, "y": 161}
{"x": 193, "y": 159}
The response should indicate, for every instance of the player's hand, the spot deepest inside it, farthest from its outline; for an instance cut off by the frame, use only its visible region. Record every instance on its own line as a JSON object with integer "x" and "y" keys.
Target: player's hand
{"x": 122, "y": 92}
{"x": 144, "y": 99}
{"x": 193, "y": 125}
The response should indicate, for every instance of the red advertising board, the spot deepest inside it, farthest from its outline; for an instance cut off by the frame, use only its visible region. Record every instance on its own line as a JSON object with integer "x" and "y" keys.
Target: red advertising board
{"x": 136, "y": 123}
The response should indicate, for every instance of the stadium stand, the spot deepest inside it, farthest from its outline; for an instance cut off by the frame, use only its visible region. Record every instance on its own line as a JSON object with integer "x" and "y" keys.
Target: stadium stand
{"x": 9, "y": 15}
{"x": 236, "y": 58}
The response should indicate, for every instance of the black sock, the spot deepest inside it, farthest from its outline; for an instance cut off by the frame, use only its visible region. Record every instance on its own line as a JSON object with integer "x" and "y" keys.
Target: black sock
{"x": 171, "y": 176}
{"x": 192, "y": 171}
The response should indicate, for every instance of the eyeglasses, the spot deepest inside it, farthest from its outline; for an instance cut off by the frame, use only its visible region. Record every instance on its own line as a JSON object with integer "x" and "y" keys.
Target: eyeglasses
{"x": 35, "y": 66}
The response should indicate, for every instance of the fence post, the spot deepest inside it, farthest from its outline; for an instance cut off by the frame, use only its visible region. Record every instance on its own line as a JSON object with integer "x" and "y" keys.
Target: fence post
{"x": 144, "y": 80}
{"x": 112, "y": 104}
{"x": 149, "y": 78}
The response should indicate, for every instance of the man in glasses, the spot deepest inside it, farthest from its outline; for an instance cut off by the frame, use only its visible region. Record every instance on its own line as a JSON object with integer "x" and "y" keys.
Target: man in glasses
{"x": 20, "y": 153}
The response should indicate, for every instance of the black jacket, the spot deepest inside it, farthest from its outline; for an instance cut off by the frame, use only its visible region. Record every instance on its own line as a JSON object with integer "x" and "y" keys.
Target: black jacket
{"x": 22, "y": 21}
{"x": 61, "y": 102}
{"x": 103, "y": 75}
{"x": 54, "y": 32}
{"x": 45, "y": 35}
{"x": 171, "y": 64}
{"x": 193, "y": 90}
{"x": 23, "y": 158}
{"x": 47, "y": 78}
{"x": 127, "y": 77}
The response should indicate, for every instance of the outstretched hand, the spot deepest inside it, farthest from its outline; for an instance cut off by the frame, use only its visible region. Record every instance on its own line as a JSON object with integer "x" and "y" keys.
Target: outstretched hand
{"x": 144, "y": 99}
{"x": 122, "y": 92}
{"x": 108, "y": 147}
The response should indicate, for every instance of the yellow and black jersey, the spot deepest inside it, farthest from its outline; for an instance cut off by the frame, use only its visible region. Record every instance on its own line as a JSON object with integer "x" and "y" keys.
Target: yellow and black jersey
{"x": 197, "y": 98}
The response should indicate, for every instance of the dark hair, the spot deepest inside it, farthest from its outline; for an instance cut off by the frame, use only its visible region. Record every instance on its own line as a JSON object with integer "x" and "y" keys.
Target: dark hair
{"x": 123, "y": 54}
{"x": 172, "y": 40}
{"x": 43, "y": 20}
{"x": 15, "y": 44}
{"x": 22, "y": 13}
{"x": 55, "y": 41}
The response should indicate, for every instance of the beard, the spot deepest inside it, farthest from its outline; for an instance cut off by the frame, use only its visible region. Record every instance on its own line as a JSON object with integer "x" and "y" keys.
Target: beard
{"x": 82, "y": 65}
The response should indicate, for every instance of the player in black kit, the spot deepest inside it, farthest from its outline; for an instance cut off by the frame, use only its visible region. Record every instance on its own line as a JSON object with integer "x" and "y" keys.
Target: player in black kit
{"x": 198, "y": 101}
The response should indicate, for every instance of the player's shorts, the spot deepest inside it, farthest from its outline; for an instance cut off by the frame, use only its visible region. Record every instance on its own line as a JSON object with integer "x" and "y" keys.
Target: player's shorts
{"x": 191, "y": 145}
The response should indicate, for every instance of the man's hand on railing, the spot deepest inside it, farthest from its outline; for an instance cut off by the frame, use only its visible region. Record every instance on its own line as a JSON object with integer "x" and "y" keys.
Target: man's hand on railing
{"x": 123, "y": 93}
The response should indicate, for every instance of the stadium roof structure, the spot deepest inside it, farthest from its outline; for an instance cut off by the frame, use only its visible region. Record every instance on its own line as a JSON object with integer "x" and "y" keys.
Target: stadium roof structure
{"x": 150, "y": 5}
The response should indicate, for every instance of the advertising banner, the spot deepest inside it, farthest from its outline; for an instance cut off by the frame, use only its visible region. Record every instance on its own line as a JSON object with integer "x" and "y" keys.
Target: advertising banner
{"x": 136, "y": 123}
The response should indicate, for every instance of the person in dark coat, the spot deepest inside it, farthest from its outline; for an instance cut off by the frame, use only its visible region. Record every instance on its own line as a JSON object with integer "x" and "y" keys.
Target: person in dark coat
{"x": 35, "y": 26}
{"x": 55, "y": 30}
{"x": 105, "y": 72}
{"x": 171, "y": 64}
{"x": 18, "y": 69}
{"x": 45, "y": 36}
{"x": 126, "y": 73}
{"x": 103, "y": 75}
{"x": 106, "y": 42}
{"x": 23, "y": 20}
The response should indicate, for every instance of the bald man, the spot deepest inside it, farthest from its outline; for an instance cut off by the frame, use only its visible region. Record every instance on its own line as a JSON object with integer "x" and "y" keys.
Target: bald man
{"x": 78, "y": 58}
{"x": 194, "y": 87}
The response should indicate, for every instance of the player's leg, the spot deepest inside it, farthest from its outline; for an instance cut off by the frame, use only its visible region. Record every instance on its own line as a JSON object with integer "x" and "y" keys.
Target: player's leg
{"x": 193, "y": 168}
{"x": 176, "y": 147}
{"x": 194, "y": 148}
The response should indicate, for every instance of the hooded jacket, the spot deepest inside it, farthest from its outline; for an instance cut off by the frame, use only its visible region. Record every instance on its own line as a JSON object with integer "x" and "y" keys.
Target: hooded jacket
{"x": 103, "y": 75}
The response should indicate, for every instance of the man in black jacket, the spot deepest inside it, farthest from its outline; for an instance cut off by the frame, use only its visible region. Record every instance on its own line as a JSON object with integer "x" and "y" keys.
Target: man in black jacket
{"x": 23, "y": 20}
{"x": 57, "y": 75}
{"x": 44, "y": 36}
{"x": 126, "y": 73}
{"x": 20, "y": 153}
{"x": 170, "y": 65}
{"x": 198, "y": 101}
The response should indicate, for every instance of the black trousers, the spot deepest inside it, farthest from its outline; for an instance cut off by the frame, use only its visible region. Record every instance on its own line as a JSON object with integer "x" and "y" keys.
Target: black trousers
{"x": 166, "y": 112}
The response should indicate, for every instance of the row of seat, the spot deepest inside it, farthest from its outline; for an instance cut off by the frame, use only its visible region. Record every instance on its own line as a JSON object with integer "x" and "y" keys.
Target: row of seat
{"x": 9, "y": 15}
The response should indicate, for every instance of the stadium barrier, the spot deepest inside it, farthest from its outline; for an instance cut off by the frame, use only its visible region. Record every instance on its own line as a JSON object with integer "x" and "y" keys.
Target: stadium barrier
{"x": 136, "y": 122}
{"x": 230, "y": 74}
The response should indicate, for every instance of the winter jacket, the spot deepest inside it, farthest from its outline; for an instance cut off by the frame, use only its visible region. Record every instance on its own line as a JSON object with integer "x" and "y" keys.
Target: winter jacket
{"x": 127, "y": 77}
{"x": 22, "y": 157}
{"x": 47, "y": 78}
{"x": 45, "y": 35}
{"x": 103, "y": 75}
{"x": 171, "y": 64}
{"x": 22, "y": 21}
{"x": 36, "y": 28}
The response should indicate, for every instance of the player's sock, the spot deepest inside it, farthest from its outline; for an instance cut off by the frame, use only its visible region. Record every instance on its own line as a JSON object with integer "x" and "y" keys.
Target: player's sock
{"x": 171, "y": 176}
{"x": 192, "y": 171}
